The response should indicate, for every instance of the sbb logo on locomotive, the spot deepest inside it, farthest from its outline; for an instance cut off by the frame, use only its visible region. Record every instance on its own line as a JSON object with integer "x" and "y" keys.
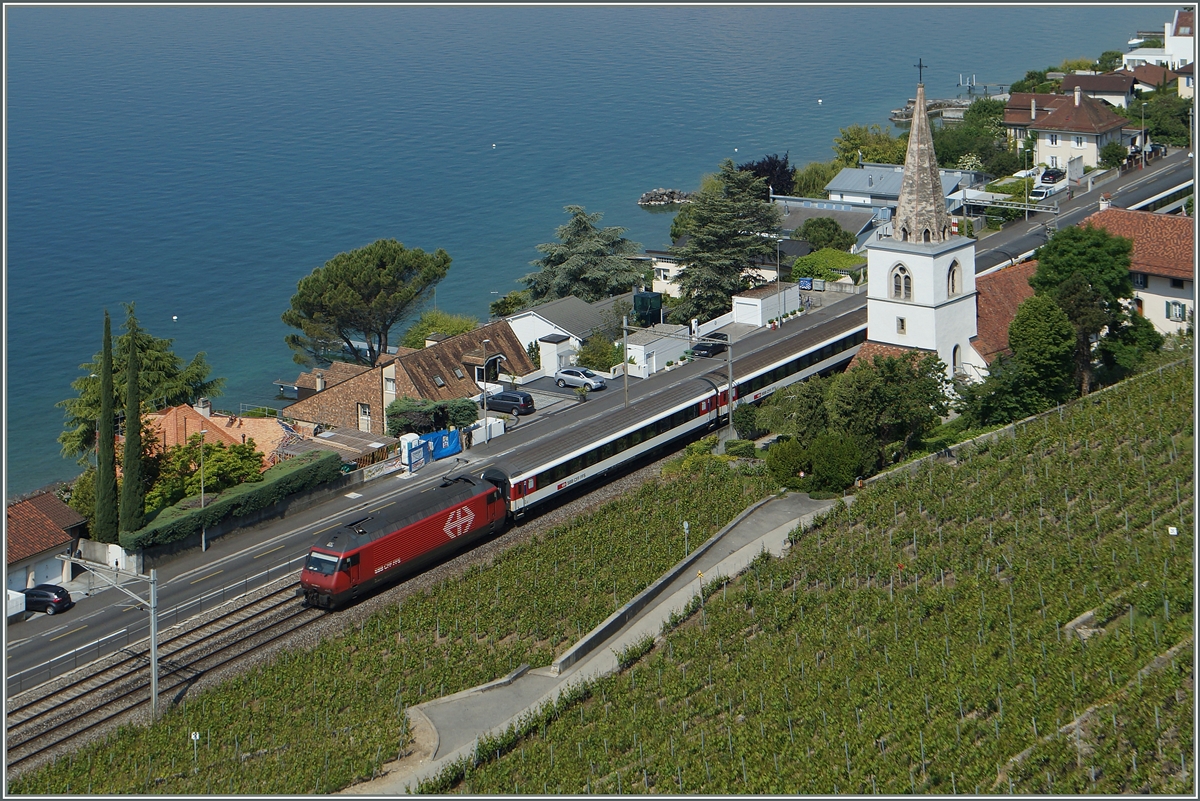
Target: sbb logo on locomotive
{"x": 459, "y": 522}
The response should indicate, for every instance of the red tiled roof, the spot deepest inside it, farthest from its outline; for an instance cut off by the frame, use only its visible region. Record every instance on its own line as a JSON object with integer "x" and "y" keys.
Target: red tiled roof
{"x": 1163, "y": 244}
{"x": 1091, "y": 116}
{"x": 1184, "y": 22}
{"x": 334, "y": 374}
{"x": 1109, "y": 83}
{"x": 37, "y": 525}
{"x": 1151, "y": 74}
{"x": 871, "y": 350}
{"x": 1186, "y": 69}
{"x": 997, "y": 296}
{"x": 1016, "y": 110}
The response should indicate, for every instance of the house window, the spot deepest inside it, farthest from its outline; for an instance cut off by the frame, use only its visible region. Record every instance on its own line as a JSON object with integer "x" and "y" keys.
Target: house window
{"x": 439, "y": 381}
{"x": 459, "y": 374}
{"x": 1176, "y": 283}
{"x": 953, "y": 281}
{"x": 1079, "y": 141}
{"x": 900, "y": 325}
{"x": 1139, "y": 280}
{"x": 1176, "y": 311}
{"x": 389, "y": 385}
{"x": 364, "y": 417}
{"x": 1054, "y": 162}
{"x": 901, "y": 283}
{"x": 1053, "y": 140}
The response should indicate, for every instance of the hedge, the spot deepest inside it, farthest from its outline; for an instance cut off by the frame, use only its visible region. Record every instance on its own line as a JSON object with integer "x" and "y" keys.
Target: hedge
{"x": 281, "y": 481}
{"x": 740, "y": 448}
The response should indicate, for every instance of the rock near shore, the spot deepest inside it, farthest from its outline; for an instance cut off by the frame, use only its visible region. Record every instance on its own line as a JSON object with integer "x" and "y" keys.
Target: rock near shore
{"x": 664, "y": 197}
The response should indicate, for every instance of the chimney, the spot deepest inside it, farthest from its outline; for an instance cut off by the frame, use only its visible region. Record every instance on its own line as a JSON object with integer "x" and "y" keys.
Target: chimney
{"x": 1078, "y": 95}
{"x": 1105, "y": 201}
{"x": 1033, "y": 108}
{"x": 203, "y": 407}
{"x": 320, "y": 381}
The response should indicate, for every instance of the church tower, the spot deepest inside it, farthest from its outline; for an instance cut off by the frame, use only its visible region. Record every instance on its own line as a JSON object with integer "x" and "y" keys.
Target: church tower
{"x": 921, "y": 280}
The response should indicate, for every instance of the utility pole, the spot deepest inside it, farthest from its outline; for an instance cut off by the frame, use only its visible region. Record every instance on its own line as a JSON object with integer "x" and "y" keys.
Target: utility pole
{"x": 625, "y": 351}
{"x": 203, "y": 528}
{"x": 111, "y": 575}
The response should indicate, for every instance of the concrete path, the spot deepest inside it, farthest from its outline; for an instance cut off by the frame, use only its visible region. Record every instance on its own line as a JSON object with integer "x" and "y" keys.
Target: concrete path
{"x": 448, "y": 727}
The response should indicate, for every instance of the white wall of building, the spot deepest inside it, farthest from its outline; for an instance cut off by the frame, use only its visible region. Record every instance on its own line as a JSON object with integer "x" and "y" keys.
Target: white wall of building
{"x": 1157, "y": 298}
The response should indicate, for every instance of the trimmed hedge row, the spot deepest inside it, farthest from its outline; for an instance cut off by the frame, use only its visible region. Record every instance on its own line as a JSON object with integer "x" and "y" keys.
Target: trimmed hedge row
{"x": 741, "y": 448}
{"x": 281, "y": 481}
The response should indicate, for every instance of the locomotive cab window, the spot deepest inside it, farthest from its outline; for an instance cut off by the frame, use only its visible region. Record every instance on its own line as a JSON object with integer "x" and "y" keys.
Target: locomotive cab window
{"x": 321, "y": 563}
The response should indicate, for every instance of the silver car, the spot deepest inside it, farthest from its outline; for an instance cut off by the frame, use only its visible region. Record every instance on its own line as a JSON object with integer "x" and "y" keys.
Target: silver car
{"x": 578, "y": 377}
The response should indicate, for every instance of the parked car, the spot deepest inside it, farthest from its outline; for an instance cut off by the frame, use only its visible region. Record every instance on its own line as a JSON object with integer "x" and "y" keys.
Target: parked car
{"x": 517, "y": 403}
{"x": 48, "y": 598}
{"x": 1053, "y": 176}
{"x": 578, "y": 377}
{"x": 712, "y": 348}
{"x": 1046, "y": 190}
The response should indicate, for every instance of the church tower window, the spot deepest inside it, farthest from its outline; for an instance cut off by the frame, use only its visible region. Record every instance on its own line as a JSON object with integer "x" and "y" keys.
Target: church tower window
{"x": 953, "y": 280}
{"x": 901, "y": 283}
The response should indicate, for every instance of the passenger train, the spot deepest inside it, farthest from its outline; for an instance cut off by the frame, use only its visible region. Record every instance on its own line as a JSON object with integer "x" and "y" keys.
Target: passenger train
{"x": 416, "y": 531}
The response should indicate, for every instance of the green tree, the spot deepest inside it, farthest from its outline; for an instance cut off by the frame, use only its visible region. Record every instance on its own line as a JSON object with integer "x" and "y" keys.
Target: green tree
{"x": 165, "y": 381}
{"x": 1009, "y": 392}
{"x": 836, "y": 462}
{"x": 1086, "y": 270}
{"x": 1041, "y": 336}
{"x": 588, "y": 262}
{"x": 824, "y": 232}
{"x": 535, "y": 354}
{"x": 776, "y": 171}
{"x": 872, "y": 144}
{"x": 797, "y": 410}
{"x": 132, "y": 514}
{"x": 1125, "y": 345}
{"x": 358, "y": 297}
{"x": 726, "y": 235}
{"x": 786, "y": 461}
{"x": 822, "y": 263}
{"x": 1112, "y": 154}
{"x": 599, "y": 353}
{"x": 511, "y": 303}
{"x": 811, "y": 180}
{"x": 1110, "y": 60}
{"x": 420, "y": 416}
{"x": 441, "y": 322}
{"x": 179, "y": 473}
{"x": 745, "y": 421}
{"x": 104, "y": 484}
{"x": 681, "y": 225}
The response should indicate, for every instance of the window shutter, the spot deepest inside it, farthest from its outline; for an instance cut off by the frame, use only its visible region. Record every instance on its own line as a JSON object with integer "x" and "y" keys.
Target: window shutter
{"x": 1168, "y": 310}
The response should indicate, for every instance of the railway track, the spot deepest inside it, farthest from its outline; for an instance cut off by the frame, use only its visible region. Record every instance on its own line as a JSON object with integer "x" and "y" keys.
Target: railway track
{"x": 45, "y": 719}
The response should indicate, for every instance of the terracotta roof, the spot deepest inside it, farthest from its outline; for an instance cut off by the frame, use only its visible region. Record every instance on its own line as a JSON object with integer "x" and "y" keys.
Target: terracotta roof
{"x": 174, "y": 426}
{"x": 1091, "y": 116}
{"x": 1186, "y": 69}
{"x": 386, "y": 358}
{"x": 871, "y": 350}
{"x": 37, "y": 525}
{"x": 1163, "y": 244}
{"x": 1108, "y": 83}
{"x": 1016, "y": 111}
{"x": 997, "y": 296}
{"x": 1151, "y": 74}
{"x": 415, "y": 371}
{"x": 1184, "y": 23}
{"x": 335, "y": 373}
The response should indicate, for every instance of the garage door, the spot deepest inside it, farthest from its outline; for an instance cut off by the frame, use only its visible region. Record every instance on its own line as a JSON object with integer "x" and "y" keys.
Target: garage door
{"x": 746, "y": 312}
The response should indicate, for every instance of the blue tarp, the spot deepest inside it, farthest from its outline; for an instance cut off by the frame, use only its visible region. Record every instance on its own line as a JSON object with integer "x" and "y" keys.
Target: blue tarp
{"x": 419, "y": 454}
{"x": 445, "y": 443}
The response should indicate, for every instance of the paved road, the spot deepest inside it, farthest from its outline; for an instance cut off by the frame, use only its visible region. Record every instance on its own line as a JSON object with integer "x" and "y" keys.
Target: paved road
{"x": 1021, "y": 237}
{"x": 109, "y": 619}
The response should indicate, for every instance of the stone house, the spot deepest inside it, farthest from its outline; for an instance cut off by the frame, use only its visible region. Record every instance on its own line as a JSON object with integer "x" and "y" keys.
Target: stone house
{"x": 38, "y": 529}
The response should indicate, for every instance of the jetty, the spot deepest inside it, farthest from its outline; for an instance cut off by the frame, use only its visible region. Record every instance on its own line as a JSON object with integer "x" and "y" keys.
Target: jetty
{"x": 663, "y": 197}
{"x": 950, "y": 108}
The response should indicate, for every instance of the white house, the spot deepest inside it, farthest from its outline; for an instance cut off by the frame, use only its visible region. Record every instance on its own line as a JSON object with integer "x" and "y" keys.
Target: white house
{"x": 1177, "y": 49}
{"x": 39, "y": 528}
{"x": 1114, "y": 88}
{"x": 768, "y": 302}
{"x": 1186, "y": 86}
{"x": 652, "y": 348}
{"x": 567, "y": 322}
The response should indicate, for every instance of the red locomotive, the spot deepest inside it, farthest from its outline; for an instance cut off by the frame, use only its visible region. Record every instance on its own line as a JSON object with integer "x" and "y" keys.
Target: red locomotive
{"x": 354, "y": 558}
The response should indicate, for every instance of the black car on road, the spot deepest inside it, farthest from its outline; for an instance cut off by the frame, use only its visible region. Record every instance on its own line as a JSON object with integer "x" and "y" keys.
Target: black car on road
{"x": 517, "y": 403}
{"x": 48, "y": 598}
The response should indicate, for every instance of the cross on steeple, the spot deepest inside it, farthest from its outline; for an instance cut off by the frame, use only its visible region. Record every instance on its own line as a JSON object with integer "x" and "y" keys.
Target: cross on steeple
{"x": 920, "y": 70}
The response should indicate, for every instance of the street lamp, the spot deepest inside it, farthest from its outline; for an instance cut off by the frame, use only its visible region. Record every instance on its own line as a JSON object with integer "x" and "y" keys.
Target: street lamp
{"x": 486, "y": 359}
{"x": 203, "y": 532}
{"x": 1143, "y": 136}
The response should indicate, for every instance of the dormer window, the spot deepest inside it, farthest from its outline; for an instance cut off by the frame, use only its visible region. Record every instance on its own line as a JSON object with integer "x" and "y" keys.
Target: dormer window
{"x": 437, "y": 380}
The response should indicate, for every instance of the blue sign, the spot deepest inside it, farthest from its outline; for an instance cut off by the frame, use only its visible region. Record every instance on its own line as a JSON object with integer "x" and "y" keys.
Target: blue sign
{"x": 445, "y": 443}
{"x": 805, "y": 283}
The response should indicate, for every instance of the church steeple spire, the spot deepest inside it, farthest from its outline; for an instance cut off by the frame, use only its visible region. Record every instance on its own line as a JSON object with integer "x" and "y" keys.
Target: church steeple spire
{"x": 921, "y": 210}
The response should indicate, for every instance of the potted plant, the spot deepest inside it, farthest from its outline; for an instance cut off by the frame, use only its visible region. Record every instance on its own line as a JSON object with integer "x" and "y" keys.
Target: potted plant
{"x": 581, "y": 393}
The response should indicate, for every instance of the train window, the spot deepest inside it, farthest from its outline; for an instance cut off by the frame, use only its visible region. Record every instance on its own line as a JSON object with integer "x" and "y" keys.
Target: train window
{"x": 321, "y": 563}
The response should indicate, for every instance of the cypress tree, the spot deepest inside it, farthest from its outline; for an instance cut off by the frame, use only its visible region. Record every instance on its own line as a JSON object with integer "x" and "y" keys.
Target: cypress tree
{"x": 106, "y": 457}
{"x": 133, "y": 494}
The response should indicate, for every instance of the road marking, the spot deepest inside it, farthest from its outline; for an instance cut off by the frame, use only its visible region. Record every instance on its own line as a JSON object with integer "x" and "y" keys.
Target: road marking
{"x": 328, "y": 528}
{"x": 273, "y": 550}
{"x": 65, "y": 633}
{"x": 386, "y": 505}
{"x": 202, "y": 578}
{"x": 353, "y": 494}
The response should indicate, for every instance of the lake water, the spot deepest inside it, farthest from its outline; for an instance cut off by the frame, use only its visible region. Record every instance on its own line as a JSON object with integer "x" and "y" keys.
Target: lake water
{"x": 200, "y": 161}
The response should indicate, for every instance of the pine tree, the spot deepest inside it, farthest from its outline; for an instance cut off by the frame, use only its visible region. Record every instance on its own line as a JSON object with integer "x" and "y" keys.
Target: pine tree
{"x": 105, "y": 526}
{"x": 133, "y": 494}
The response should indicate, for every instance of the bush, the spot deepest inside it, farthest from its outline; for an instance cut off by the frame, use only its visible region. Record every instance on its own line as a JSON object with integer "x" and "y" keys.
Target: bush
{"x": 786, "y": 460}
{"x": 741, "y": 449}
{"x": 599, "y": 353}
{"x": 279, "y": 482}
{"x": 836, "y": 461}
{"x": 745, "y": 421}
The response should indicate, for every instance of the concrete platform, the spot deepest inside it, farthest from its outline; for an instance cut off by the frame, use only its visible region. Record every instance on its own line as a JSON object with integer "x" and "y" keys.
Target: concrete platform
{"x": 458, "y": 720}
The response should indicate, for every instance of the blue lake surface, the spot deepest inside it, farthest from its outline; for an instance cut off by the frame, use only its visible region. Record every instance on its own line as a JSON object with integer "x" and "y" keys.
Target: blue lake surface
{"x": 199, "y": 161}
